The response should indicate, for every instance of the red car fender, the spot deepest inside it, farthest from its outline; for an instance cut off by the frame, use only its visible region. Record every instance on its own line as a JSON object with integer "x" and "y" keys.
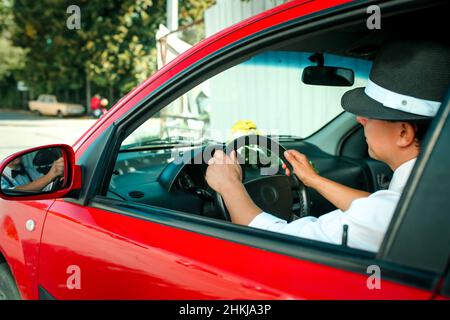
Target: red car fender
{"x": 20, "y": 247}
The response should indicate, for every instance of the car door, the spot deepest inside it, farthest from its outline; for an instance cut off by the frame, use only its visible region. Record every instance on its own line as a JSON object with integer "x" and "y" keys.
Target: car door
{"x": 118, "y": 251}
{"x": 96, "y": 247}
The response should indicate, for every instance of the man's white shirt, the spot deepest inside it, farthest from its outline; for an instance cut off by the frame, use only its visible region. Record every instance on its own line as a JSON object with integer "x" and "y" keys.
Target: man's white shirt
{"x": 367, "y": 218}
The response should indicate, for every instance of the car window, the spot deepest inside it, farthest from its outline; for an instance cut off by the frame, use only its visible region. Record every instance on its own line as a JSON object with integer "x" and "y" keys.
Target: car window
{"x": 266, "y": 89}
{"x": 263, "y": 95}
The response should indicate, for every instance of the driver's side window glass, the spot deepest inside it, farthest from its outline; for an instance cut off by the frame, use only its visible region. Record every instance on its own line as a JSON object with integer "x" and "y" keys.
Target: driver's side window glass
{"x": 265, "y": 91}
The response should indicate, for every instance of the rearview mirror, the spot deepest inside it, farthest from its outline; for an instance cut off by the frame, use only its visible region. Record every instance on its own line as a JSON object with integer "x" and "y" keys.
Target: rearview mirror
{"x": 40, "y": 173}
{"x": 328, "y": 76}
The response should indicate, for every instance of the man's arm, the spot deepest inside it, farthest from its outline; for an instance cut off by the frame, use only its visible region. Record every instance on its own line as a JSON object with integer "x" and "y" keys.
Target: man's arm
{"x": 241, "y": 207}
{"x": 36, "y": 185}
{"x": 339, "y": 195}
{"x": 55, "y": 171}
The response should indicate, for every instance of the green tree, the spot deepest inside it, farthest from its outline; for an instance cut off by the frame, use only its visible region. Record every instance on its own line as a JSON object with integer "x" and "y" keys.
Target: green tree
{"x": 112, "y": 52}
{"x": 11, "y": 57}
{"x": 125, "y": 55}
{"x": 113, "y": 37}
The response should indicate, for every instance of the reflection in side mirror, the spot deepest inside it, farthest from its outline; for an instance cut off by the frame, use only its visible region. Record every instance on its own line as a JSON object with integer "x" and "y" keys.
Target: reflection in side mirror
{"x": 328, "y": 76}
{"x": 35, "y": 172}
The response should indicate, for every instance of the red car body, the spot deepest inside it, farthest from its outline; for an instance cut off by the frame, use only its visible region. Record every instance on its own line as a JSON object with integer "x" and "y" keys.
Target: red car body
{"x": 122, "y": 256}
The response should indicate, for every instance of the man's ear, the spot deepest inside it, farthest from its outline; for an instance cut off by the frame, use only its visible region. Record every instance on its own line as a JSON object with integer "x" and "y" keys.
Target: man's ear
{"x": 406, "y": 134}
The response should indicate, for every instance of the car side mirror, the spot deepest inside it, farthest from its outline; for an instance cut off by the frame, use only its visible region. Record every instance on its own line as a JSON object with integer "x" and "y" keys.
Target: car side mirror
{"x": 328, "y": 76}
{"x": 40, "y": 173}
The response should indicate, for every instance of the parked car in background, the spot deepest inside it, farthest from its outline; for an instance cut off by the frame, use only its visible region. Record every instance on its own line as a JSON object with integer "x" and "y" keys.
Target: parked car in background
{"x": 48, "y": 105}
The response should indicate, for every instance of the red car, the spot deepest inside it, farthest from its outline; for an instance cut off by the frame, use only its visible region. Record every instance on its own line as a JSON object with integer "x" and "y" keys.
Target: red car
{"x": 127, "y": 221}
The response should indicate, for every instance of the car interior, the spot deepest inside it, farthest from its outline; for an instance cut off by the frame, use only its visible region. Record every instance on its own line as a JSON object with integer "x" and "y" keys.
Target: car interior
{"x": 148, "y": 174}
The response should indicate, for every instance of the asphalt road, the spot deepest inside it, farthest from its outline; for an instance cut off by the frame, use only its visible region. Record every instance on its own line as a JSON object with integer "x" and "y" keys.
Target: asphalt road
{"x": 21, "y": 130}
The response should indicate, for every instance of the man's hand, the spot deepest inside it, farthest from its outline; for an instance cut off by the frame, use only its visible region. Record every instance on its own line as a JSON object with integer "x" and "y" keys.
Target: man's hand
{"x": 57, "y": 169}
{"x": 339, "y": 195}
{"x": 223, "y": 172}
{"x": 302, "y": 167}
{"x": 224, "y": 175}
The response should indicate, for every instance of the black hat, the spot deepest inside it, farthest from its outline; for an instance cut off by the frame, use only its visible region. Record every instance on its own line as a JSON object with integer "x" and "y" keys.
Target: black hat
{"x": 43, "y": 160}
{"x": 407, "y": 82}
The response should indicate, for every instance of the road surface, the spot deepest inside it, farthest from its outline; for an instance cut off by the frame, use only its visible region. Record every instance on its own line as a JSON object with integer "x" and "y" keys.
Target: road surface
{"x": 21, "y": 130}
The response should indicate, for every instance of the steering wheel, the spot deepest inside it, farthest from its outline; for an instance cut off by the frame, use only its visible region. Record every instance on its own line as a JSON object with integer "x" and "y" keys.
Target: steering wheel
{"x": 274, "y": 194}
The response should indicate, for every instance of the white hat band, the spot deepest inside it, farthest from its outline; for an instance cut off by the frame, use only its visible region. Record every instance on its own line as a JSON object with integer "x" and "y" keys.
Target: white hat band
{"x": 393, "y": 100}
